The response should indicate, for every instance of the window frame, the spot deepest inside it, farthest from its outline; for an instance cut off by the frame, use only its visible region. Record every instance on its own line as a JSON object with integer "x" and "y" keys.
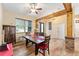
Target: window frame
{"x": 24, "y": 24}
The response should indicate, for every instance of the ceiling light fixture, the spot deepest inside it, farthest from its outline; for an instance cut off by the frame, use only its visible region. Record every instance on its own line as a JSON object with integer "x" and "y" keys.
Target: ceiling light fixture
{"x": 33, "y": 8}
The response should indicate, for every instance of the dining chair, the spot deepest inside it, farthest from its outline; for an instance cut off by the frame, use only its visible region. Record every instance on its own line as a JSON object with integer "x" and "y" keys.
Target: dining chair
{"x": 8, "y": 52}
{"x": 37, "y": 34}
{"x": 41, "y": 34}
{"x": 44, "y": 46}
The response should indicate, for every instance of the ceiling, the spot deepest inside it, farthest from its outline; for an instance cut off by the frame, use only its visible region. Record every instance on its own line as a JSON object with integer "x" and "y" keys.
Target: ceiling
{"x": 23, "y": 8}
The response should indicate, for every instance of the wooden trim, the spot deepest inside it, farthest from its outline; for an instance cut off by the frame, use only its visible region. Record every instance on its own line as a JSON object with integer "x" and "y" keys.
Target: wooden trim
{"x": 69, "y": 38}
{"x": 67, "y": 7}
{"x": 59, "y": 13}
{"x": 9, "y": 25}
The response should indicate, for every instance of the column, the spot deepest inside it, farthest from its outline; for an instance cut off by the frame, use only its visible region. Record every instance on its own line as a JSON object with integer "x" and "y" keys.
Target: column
{"x": 69, "y": 24}
{"x": 69, "y": 38}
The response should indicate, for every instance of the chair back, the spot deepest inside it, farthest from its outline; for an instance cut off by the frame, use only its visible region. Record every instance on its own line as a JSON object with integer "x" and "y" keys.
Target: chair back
{"x": 47, "y": 39}
{"x": 27, "y": 33}
{"x": 36, "y": 33}
{"x": 41, "y": 34}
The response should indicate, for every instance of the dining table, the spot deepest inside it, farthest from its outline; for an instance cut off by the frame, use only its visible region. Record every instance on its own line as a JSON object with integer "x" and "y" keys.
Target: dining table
{"x": 35, "y": 40}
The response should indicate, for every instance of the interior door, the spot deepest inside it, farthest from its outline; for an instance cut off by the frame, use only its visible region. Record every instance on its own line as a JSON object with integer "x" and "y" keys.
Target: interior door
{"x": 58, "y": 31}
{"x": 61, "y": 31}
{"x": 54, "y": 32}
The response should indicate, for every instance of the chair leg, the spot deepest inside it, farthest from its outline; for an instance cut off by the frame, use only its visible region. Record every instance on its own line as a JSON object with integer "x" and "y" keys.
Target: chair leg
{"x": 32, "y": 42}
{"x": 43, "y": 52}
{"x": 48, "y": 51}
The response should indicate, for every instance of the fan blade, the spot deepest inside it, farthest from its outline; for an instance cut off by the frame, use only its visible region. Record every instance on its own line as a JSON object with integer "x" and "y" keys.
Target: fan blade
{"x": 39, "y": 9}
{"x": 36, "y": 12}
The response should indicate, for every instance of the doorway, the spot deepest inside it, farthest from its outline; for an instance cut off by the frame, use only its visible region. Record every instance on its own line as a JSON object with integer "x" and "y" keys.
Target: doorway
{"x": 41, "y": 27}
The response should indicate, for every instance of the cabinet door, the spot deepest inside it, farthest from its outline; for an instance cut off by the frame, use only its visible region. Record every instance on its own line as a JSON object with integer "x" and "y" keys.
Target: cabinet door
{"x": 6, "y": 33}
{"x": 9, "y": 34}
{"x": 12, "y": 34}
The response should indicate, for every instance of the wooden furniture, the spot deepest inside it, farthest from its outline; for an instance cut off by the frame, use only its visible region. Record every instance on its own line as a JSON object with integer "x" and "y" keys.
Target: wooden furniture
{"x": 9, "y": 33}
{"x": 35, "y": 40}
{"x": 3, "y": 47}
{"x": 8, "y": 52}
{"x": 41, "y": 34}
{"x": 44, "y": 46}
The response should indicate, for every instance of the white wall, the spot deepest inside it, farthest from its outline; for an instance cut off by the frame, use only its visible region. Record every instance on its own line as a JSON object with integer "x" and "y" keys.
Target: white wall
{"x": 9, "y": 18}
{"x": 61, "y": 31}
{"x": 76, "y": 28}
{"x": 0, "y": 23}
{"x": 58, "y": 27}
{"x": 76, "y": 33}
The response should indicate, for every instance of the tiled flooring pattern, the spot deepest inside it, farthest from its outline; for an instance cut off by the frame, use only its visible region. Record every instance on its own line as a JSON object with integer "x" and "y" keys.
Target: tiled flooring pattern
{"x": 57, "y": 48}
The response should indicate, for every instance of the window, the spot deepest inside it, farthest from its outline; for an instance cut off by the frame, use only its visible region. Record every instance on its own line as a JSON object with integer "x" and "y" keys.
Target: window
{"x": 41, "y": 27}
{"x": 50, "y": 25}
{"x": 23, "y": 25}
{"x": 28, "y": 26}
{"x": 19, "y": 25}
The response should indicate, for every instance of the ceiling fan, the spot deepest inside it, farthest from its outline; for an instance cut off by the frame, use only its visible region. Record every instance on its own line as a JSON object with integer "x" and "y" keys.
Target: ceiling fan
{"x": 33, "y": 8}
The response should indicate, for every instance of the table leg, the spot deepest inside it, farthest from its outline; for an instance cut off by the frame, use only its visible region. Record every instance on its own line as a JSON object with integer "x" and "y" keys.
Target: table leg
{"x": 26, "y": 42}
{"x": 36, "y": 49}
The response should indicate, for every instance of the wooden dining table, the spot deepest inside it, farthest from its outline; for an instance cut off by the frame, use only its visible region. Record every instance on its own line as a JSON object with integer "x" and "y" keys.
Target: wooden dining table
{"x": 35, "y": 40}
